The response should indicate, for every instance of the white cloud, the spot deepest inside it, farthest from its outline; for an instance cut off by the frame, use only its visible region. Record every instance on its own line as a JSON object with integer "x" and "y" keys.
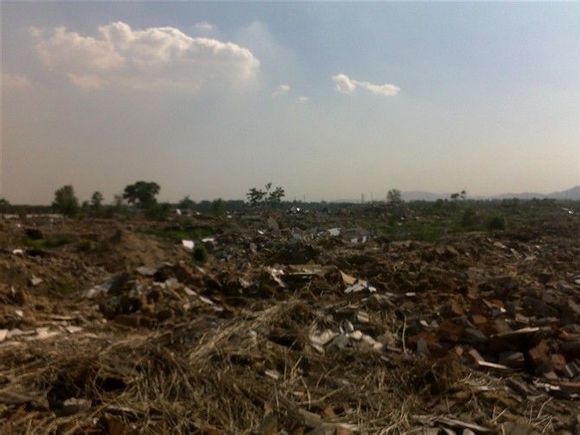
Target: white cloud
{"x": 303, "y": 99}
{"x": 204, "y": 26}
{"x": 281, "y": 90}
{"x": 143, "y": 59}
{"x": 346, "y": 85}
{"x": 15, "y": 81}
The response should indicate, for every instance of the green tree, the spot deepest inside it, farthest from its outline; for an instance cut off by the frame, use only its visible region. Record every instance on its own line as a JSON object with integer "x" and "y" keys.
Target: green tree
{"x": 97, "y": 203}
{"x": 218, "y": 207}
{"x": 142, "y": 194}
{"x": 459, "y": 195}
{"x": 255, "y": 196}
{"x": 65, "y": 201}
{"x": 394, "y": 198}
{"x": 158, "y": 212}
{"x": 275, "y": 196}
{"x": 268, "y": 196}
{"x": 186, "y": 203}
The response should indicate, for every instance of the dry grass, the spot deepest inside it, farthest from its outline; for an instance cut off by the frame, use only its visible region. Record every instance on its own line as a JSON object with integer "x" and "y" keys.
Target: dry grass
{"x": 209, "y": 373}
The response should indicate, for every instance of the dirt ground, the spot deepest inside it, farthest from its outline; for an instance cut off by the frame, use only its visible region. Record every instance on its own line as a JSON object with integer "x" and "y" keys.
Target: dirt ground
{"x": 108, "y": 326}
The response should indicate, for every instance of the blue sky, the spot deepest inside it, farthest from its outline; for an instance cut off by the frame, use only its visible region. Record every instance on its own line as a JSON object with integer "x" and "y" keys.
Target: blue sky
{"x": 438, "y": 97}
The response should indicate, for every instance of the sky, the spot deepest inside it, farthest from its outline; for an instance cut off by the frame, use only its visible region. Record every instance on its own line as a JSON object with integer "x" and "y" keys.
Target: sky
{"x": 328, "y": 100}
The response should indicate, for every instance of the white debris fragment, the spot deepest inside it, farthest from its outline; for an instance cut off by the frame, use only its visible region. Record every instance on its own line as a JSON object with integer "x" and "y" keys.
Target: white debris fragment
{"x": 274, "y": 374}
{"x": 96, "y": 291}
{"x": 362, "y": 317}
{"x": 73, "y": 329}
{"x": 189, "y": 292}
{"x": 188, "y": 244}
{"x": 43, "y": 334}
{"x": 360, "y": 286}
{"x": 146, "y": 271}
{"x": 319, "y": 340}
{"x": 206, "y": 300}
{"x": 35, "y": 281}
{"x": 335, "y": 232}
{"x": 356, "y": 335}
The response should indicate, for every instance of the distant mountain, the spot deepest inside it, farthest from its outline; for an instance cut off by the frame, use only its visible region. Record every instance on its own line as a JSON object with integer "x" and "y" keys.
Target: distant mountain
{"x": 522, "y": 195}
{"x": 570, "y": 194}
{"x": 573, "y": 194}
{"x": 423, "y": 196}
{"x": 418, "y": 195}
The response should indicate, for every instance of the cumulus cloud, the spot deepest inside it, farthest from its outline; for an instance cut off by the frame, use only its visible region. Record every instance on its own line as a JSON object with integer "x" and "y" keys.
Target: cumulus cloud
{"x": 143, "y": 59}
{"x": 204, "y": 26}
{"x": 346, "y": 85}
{"x": 15, "y": 81}
{"x": 281, "y": 90}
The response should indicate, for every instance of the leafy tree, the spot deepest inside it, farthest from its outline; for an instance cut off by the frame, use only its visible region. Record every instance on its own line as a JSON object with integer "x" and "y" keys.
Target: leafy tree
{"x": 65, "y": 201}
{"x": 142, "y": 194}
{"x": 459, "y": 195}
{"x": 4, "y": 202}
{"x": 218, "y": 207}
{"x": 97, "y": 202}
{"x": 275, "y": 197}
{"x": 396, "y": 205}
{"x": 255, "y": 196}
{"x": 267, "y": 196}
{"x": 158, "y": 212}
{"x": 394, "y": 198}
{"x": 186, "y": 203}
{"x": 438, "y": 205}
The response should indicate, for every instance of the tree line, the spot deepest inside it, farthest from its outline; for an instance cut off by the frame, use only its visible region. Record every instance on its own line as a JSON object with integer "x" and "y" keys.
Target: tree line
{"x": 142, "y": 196}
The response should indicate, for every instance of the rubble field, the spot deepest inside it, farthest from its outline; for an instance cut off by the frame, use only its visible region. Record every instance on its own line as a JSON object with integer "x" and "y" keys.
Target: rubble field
{"x": 313, "y": 323}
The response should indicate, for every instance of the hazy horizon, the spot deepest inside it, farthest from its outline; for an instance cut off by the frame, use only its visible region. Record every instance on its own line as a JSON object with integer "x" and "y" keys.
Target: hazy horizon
{"x": 327, "y": 100}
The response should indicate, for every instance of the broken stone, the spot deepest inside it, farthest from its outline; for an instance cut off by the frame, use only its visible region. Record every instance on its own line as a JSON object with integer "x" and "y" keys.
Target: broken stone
{"x": 35, "y": 281}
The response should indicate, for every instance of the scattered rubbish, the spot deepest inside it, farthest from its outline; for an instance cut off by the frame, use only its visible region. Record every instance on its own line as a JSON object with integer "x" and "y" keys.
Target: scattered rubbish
{"x": 75, "y": 405}
{"x": 188, "y": 244}
{"x": 347, "y": 279}
{"x": 146, "y": 271}
{"x": 477, "y": 329}
{"x": 334, "y": 232}
{"x": 35, "y": 281}
{"x": 360, "y": 286}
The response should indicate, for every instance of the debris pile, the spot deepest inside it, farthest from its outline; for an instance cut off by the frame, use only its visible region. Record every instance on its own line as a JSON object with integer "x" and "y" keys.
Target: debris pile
{"x": 296, "y": 326}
